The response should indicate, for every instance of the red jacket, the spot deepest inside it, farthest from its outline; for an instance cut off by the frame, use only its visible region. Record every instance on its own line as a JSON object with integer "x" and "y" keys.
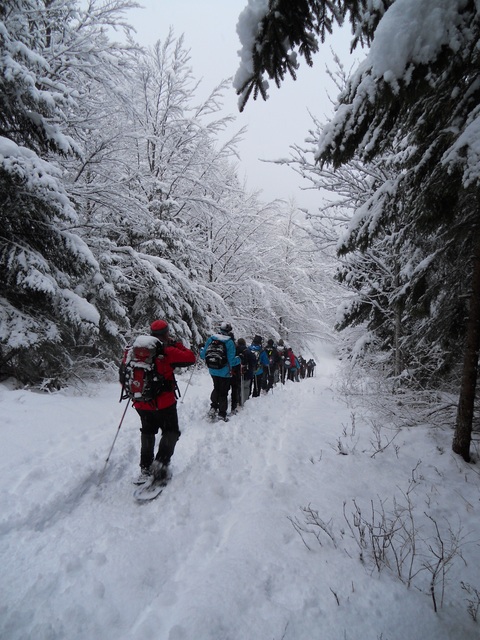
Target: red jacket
{"x": 175, "y": 355}
{"x": 293, "y": 359}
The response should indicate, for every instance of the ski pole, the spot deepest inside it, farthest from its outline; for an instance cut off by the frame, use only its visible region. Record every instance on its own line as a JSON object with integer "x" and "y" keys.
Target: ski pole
{"x": 188, "y": 384}
{"x": 113, "y": 443}
{"x": 242, "y": 390}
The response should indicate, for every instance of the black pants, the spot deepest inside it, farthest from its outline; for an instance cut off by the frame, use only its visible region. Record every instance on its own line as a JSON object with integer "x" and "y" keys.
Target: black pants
{"x": 270, "y": 377}
{"x": 257, "y": 385}
{"x": 219, "y": 395}
{"x": 165, "y": 420}
{"x": 236, "y": 383}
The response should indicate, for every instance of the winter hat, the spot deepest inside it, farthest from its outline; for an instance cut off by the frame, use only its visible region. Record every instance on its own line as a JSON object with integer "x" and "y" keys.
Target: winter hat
{"x": 257, "y": 339}
{"x": 280, "y": 342}
{"x": 225, "y": 328}
{"x": 159, "y": 328}
{"x": 270, "y": 342}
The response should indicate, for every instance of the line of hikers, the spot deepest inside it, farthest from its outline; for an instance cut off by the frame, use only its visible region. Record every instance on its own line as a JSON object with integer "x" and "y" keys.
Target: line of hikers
{"x": 147, "y": 377}
{"x": 247, "y": 371}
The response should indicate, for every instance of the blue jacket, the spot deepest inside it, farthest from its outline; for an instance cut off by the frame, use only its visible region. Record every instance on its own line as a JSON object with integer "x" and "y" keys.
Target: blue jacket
{"x": 263, "y": 359}
{"x": 233, "y": 360}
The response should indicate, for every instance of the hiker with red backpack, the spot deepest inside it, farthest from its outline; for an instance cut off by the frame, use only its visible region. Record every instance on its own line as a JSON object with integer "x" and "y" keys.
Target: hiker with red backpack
{"x": 154, "y": 397}
{"x": 291, "y": 364}
{"x": 220, "y": 357}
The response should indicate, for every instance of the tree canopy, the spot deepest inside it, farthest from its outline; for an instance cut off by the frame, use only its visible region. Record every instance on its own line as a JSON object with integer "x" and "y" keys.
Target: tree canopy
{"x": 120, "y": 200}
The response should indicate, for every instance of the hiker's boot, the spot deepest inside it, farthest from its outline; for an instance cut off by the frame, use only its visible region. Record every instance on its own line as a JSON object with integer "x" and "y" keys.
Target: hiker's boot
{"x": 145, "y": 476}
{"x": 160, "y": 471}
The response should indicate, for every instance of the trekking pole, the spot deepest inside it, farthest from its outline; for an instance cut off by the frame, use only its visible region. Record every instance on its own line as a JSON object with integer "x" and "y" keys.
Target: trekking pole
{"x": 188, "y": 384}
{"x": 242, "y": 390}
{"x": 113, "y": 444}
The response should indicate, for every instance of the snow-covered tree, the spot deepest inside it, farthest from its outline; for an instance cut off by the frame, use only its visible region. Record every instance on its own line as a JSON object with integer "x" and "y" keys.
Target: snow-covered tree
{"x": 120, "y": 203}
{"x": 303, "y": 276}
{"x": 47, "y": 320}
{"x": 173, "y": 143}
{"x": 417, "y": 94}
{"x": 423, "y": 92}
{"x": 274, "y": 32}
{"x": 398, "y": 281}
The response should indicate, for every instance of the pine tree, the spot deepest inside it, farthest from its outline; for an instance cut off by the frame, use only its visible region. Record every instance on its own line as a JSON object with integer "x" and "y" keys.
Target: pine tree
{"x": 426, "y": 110}
{"x": 271, "y": 35}
{"x": 49, "y": 315}
{"x": 418, "y": 100}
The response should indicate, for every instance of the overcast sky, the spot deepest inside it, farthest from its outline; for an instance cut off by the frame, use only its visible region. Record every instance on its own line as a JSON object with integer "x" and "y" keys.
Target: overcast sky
{"x": 209, "y": 28}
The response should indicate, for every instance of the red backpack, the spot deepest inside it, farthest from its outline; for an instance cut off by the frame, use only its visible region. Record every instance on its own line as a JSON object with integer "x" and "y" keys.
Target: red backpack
{"x": 140, "y": 379}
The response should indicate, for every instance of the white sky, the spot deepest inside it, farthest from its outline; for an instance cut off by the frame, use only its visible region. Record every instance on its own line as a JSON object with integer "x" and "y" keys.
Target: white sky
{"x": 210, "y": 34}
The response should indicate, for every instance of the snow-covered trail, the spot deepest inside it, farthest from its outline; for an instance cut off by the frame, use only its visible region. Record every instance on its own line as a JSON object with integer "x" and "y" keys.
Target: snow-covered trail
{"x": 216, "y": 557}
{"x": 222, "y": 520}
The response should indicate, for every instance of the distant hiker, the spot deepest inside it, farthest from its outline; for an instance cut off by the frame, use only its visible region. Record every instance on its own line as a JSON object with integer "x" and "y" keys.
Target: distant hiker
{"x": 311, "y": 364}
{"x": 291, "y": 364}
{"x": 236, "y": 383}
{"x": 303, "y": 366}
{"x": 282, "y": 353}
{"x": 271, "y": 371}
{"x": 261, "y": 362}
{"x": 220, "y": 358}
{"x": 247, "y": 371}
{"x": 159, "y": 411}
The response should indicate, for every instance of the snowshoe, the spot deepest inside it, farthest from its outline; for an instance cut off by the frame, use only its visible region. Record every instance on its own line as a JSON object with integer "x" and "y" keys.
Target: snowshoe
{"x": 159, "y": 477}
{"x": 145, "y": 476}
{"x": 212, "y": 415}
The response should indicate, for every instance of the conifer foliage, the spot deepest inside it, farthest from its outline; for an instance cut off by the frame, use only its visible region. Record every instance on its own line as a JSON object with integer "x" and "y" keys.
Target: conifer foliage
{"x": 413, "y": 103}
{"x": 283, "y": 28}
{"x": 42, "y": 262}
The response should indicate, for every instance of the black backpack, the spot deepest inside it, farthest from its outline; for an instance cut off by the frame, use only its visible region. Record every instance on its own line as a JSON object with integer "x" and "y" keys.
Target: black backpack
{"x": 270, "y": 351}
{"x": 216, "y": 354}
{"x": 140, "y": 379}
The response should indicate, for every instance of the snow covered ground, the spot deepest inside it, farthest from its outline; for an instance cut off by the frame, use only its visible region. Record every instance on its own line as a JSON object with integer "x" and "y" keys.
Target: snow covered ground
{"x": 226, "y": 553}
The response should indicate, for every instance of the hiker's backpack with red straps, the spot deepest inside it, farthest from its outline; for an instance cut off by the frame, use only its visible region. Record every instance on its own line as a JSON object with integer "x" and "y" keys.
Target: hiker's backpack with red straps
{"x": 140, "y": 379}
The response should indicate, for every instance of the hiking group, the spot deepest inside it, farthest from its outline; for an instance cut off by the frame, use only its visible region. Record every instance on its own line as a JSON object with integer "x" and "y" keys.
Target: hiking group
{"x": 248, "y": 371}
{"x": 148, "y": 380}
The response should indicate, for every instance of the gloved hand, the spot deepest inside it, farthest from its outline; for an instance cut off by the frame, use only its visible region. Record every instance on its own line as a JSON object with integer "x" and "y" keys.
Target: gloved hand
{"x": 160, "y": 348}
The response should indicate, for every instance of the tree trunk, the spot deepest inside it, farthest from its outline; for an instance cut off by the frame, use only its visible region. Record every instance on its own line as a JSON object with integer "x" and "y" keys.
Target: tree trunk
{"x": 398, "y": 312}
{"x": 466, "y": 401}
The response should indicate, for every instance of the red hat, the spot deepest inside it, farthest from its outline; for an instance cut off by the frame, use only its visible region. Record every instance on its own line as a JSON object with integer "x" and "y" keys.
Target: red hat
{"x": 159, "y": 327}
